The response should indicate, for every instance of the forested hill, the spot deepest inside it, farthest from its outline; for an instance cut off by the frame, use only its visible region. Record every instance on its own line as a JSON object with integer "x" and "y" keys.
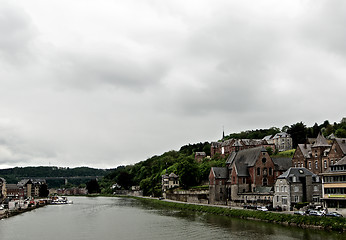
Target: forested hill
{"x": 13, "y": 175}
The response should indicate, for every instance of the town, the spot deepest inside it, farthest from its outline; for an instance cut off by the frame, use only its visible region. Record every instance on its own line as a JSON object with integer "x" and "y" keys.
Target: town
{"x": 265, "y": 174}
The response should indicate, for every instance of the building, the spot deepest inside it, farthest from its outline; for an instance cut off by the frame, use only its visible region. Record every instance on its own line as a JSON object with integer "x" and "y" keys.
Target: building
{"x": 334, "y": 185}
{"x": 226, "y": 147}
{"x": 218, "y": 177}
{"x": 3, "y": 190}
{"x": 199, "y": 156}
{"x": 296, "y": 185}
{"x": 313, "y": 156}
{"x": 249, "y": 176}
{"x": 170, "y": 181}
{"x": 282, "y": 141}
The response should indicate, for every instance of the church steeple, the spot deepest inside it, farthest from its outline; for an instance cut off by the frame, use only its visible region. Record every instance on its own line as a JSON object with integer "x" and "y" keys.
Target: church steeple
{"x": 223, "y": 133}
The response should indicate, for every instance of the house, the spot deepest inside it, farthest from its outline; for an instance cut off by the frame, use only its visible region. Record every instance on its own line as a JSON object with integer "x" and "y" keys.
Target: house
{"x": 218, "y": 177}
{"x": 313, "y": 156}
{"x": 199, "y": 156}
{"x": 334, "y": 185}
{"x": 296, "y": 185}
{"x": 31, "y": 187}
{"x": 170, "y": 181}
{"x": 282, "y": 141}
{"x": 3, "y": 191}
{"x": 226, "y": 147}
{"x": 249, "y": 176}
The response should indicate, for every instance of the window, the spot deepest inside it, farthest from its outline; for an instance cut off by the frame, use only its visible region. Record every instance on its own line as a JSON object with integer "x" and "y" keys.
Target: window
{"x": 258, "y": 171}
{"x": 277, "y": 198}
{"x": 265, "y": 181}
{"x": 220, "y": 190}
{"x": 294, "y": 178}
{"x": 315, "y": 188}
{"x": 244, "y": 180}
{"x": 285, "y": 188}
{"x": 264, "y": 160}
{"x": 296, "y": 189}
{"x": 284, "y": 200}
{"x": 325, "y": 164}
{"x": 309, "y": 165}
{"x": 270, "y": 171}
{"x": 277, "y": 189}
{"x": 296, "y": 199}
{"x": 264, "y": 171}
{"x": 331, "y": 162}
{"x": 316, "y": 164}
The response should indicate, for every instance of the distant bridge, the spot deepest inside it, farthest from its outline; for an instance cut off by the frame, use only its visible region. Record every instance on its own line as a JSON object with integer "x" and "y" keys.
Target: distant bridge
{"x": 65, "y": 178}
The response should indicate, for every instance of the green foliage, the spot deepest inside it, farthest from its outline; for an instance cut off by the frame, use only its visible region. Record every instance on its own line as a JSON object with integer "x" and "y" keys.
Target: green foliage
{"x": 335, "y": 224}
{"x": 93, "y": 187}
{"x": 269, "y": 150}
{"x": 298, "y": 133}
{"x": 43, "y": 190}
{"x": 254, "y": 134}
{"x": 188, "y": 172}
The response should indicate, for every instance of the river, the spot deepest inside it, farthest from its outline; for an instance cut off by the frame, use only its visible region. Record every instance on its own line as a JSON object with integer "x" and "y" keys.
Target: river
{"x": 103, "y": 218}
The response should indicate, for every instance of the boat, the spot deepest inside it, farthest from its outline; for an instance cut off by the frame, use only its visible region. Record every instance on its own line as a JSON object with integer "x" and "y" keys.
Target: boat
{"x": 58, "y": 200}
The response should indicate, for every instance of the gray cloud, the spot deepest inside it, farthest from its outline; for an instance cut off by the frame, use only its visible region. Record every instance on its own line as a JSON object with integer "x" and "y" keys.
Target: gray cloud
{"x": 94, "y": 86}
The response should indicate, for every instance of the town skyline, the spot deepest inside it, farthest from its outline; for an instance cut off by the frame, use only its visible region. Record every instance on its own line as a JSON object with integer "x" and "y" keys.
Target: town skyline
{"x": 110, "y": 83}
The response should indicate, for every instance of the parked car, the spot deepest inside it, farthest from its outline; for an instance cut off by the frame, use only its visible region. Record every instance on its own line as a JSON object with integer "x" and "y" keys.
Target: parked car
{"x": 264, "y": 209}
{"x": 299, "y": 213}
{"x": 333, "y": 214}
{"x": 315, "y": 213}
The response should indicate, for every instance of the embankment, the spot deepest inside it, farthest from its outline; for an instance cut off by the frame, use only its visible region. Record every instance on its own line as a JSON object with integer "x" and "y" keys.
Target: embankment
{"x": 324, "y": 223}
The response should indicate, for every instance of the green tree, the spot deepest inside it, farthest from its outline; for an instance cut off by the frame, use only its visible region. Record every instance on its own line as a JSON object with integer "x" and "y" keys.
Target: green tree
{"x": 341, "y": 133}
{"x": 188, "y": 172}
{"x": 43, "y": 190}
{"x": 93, "y": 186}
{"x": 298, "y": 133}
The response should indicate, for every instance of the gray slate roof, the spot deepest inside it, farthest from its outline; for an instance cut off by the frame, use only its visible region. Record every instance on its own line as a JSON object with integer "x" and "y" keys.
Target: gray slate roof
{"x": 298, "y": 172}
{"x": 341, "y": 162}
{"x": 282, "y": 163}
{"x": 321, "y": 141}
{"x": 306, "y": 149}
{"x": 244, "y": 159}
{"x": 282, "y": 135}
{"x": 220, "y": 172}
{"x": 342, "y": 143}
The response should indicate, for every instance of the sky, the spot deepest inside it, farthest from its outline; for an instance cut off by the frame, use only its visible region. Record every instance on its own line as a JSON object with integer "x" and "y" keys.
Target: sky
{"x": 113, "y": 82}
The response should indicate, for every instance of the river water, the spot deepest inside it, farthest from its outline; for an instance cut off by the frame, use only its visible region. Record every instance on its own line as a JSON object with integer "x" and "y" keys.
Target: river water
{"x": 102, "y": 218}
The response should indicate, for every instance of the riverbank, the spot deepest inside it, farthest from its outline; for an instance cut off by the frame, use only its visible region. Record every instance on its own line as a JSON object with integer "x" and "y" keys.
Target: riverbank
{"x": 313, "y": 222}
{"x": 19, "y": 207}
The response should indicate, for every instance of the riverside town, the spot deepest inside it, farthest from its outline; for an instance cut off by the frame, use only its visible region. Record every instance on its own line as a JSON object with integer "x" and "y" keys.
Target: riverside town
{"x": 295, "y": 171}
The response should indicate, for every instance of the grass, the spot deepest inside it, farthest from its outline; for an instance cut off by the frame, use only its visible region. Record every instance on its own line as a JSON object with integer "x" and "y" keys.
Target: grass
{"x": 335, "y": 224}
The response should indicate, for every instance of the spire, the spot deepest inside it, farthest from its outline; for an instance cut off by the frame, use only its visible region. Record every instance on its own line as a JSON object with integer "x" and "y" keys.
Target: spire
{"x": 321, "y": 141}
{"x": 223, "y": 132}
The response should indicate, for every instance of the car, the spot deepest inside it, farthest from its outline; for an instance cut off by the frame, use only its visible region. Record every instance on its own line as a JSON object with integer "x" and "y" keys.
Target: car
{"x": 333, "y": 214}
{"x": 315, "y": 213}
{"x": 302, "y": 213}
{"x": 264, "y": 209}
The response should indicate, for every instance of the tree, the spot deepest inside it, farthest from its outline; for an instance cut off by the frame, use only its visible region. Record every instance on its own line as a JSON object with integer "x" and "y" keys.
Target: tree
{"x": 188, "y": 172}
{"x": 93, "y": 186}
{"x": 124, "y": 179}
{"x": 341, "y": 133}
{"x": 298, "y": 133}
{"x": 43, "y": 190}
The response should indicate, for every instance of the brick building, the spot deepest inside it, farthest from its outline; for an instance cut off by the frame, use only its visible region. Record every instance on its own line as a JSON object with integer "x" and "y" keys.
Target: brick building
{"x": 249, "y": 176}
{"x": 320, "y": 155}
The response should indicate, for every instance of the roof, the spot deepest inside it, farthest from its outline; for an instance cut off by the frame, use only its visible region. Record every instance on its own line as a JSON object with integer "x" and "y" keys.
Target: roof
{"x": 12, "y": 186}
{"x": 298, "y": 172}
{"x": 305, "y": 149}
{"x": 200, "y": 154}
{"x": 267, "y": 137}
{"x": 172, "y": 175}
{"x": 244, "y": 159}
{"x": 321, "y": 141}
{"x": 220, "y": 172}
{"x": 282, "y": 163}
{"x": 282, "y": 135}
{"x": 342, "y": 143}
{"x": 342, "y": 161}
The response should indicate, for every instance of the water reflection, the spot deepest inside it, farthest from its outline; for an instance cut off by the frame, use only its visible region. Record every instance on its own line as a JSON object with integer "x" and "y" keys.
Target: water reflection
{"x": 122, "y": 218}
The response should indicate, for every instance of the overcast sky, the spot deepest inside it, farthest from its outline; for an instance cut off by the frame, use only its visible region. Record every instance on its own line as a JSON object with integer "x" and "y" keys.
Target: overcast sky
{"x": 111, "y": 82}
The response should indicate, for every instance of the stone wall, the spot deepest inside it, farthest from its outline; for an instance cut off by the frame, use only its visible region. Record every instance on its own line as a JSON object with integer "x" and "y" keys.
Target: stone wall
{"x": 189, "y": 196}
{"x": 137, "y": 193}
